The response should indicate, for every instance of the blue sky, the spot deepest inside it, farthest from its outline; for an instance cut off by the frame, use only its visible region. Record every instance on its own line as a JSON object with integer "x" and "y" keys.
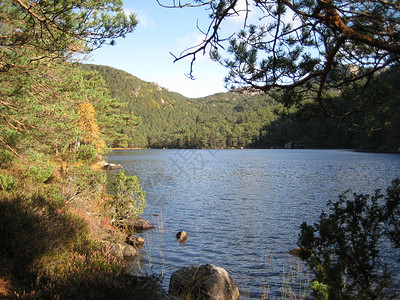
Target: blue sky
{"x": 145, "y": 52}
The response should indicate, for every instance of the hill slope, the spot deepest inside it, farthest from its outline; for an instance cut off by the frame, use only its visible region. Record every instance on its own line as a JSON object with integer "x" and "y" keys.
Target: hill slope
{"x": 234, "y": 120}
{"x": 171, "y": 120}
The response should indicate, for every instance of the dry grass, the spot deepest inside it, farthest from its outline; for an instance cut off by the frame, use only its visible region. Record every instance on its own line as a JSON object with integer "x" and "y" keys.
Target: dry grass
{"x": 294, "y": 281}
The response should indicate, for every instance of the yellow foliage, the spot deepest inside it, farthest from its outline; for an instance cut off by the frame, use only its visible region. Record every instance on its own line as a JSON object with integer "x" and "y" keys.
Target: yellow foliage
{"x": 89, "y": 127}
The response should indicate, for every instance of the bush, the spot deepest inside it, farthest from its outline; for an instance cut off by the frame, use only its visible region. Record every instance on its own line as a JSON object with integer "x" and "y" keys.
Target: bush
{"x": 129, "y": 199}
{"x": 6, "y": 182}
{"x": 343, "y": 248}
{"x": 6, "y": 158}
{"x": 86, "y": 153}
{"x": 83, "y": 182}
{"x": 40, "y": 169}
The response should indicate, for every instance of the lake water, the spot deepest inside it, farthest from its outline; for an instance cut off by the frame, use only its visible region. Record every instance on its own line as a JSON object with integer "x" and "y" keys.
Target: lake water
{"x": 242, "y": 209}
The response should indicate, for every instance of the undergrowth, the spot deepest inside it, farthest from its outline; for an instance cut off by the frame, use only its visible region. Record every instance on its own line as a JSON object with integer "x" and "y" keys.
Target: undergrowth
{"x": 52, "y": 215}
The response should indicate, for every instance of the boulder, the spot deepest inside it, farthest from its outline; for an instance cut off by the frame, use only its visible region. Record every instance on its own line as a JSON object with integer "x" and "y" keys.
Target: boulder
{"x": 109, "y": 167}
{"x": 138, "y": 224}
{"x": 181, "y": 236}
{"x": 148, "y": 288}
{"x": 122, "y": 250}
{"x": 295, "y": 251}
{"x": 300, "y": 251}
{"x": 204, "y": 282}
{"x": 129, "y": 252}
{"x": 135, "y": 241}
{"x": 141, "y": 224}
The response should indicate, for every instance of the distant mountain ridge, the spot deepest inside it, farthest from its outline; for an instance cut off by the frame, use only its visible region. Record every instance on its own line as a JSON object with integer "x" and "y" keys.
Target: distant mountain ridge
{"x": 239, "y": 120}
{"x": 169, "y": 119}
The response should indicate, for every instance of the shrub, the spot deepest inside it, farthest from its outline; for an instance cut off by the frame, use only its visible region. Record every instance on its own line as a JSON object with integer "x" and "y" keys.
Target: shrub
{"x": 6, "y": 158}
{"x": 6, "y": 182}
{"x": 40, "y": 169}
{"x": 343, "y": 248}
{"x": 129, "y": 199}
{"x": 86, "y": 153}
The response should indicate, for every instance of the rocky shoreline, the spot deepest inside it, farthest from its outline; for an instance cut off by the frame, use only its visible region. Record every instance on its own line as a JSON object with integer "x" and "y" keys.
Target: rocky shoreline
{"x": 192, "y": 282}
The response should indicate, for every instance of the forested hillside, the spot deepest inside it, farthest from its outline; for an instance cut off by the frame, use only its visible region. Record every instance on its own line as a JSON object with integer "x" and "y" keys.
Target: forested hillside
{"x": 56, "y": 120}
{"x": 225, "y": 120}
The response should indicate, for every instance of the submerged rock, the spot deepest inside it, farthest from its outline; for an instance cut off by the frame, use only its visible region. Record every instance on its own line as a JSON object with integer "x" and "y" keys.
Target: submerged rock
{"x": 204, "y": 282}
{"x": 181, "y": 236}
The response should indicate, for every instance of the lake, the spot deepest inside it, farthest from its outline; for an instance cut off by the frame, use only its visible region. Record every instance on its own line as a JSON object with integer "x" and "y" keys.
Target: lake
{"x": 242, "y": 209}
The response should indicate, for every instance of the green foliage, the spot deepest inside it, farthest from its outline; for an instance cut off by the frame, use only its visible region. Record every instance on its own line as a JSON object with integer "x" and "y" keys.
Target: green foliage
{"x": 320, "y": 290}
{"x": 129, "y": 200}
{"x": 39, "y": 90}
{"x": 343, "y": 248}
{"x": 6, "y": 158}
{"x": 308, "y": 48}
{"x": 170, "y": 120}
{"x": 40, "y": 168}
{"x": 235, "y": 120}
{"x": 6, "y": 182}
{"x": 85, "y": 152}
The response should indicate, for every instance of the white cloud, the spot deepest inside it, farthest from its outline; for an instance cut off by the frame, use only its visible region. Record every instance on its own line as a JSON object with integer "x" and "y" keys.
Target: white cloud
{"x": 200, "y": 87}
{"x": 144, "y": 20}
{"x": 246, "y": 13}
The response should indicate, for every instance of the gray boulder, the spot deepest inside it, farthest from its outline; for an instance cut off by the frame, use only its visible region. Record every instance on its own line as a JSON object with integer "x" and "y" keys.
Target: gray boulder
{"x": 204, "y": 282}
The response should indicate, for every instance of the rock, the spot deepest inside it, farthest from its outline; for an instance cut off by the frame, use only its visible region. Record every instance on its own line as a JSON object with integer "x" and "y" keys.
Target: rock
{"x": 181, "y": 236}
{"x": 109, "y": 166}
{"x": 122, "y": 250}
{"x": 129, "y": 251}
{"x": 138, "y": 224}
{"x": 147, "y": 288}
{"x": 141, "y": 224}
{"x": 296, "y": 251}
{"x": 203, "y": 282}
{"x": 135, "y": 241}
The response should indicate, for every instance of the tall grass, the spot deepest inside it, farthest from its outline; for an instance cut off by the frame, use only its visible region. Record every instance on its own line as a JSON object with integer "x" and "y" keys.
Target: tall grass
{"x": 294, "y": 279}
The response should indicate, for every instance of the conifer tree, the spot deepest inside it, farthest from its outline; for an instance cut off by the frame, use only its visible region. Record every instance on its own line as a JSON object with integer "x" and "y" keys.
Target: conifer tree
{"x": 37, "y": 38}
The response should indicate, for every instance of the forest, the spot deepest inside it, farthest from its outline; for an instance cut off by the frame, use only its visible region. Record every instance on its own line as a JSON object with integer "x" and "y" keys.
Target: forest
{"x": 253, "y": 120}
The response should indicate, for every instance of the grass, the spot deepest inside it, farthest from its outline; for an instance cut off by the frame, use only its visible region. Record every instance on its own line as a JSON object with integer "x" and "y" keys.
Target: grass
{"x": 295, "y": 279}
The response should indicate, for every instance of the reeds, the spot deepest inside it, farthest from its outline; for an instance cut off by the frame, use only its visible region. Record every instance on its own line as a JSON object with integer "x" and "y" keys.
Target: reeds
{"x": 294, "y": 281}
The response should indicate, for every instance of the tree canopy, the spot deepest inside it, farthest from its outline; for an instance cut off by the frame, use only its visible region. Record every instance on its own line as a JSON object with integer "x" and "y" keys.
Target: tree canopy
{"x": 39, "y": 89}
{"x": 312, "y": 46}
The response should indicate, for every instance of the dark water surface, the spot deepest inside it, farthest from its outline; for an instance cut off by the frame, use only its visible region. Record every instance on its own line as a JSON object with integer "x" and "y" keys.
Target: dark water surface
{"x": 242, "y": 209}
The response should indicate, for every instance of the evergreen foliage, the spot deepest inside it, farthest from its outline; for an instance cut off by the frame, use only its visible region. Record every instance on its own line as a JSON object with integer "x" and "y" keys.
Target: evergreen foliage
{"x": 343, "y": 248}
{"x": 302, "y": 48}
{"x": 55, "y": 118}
